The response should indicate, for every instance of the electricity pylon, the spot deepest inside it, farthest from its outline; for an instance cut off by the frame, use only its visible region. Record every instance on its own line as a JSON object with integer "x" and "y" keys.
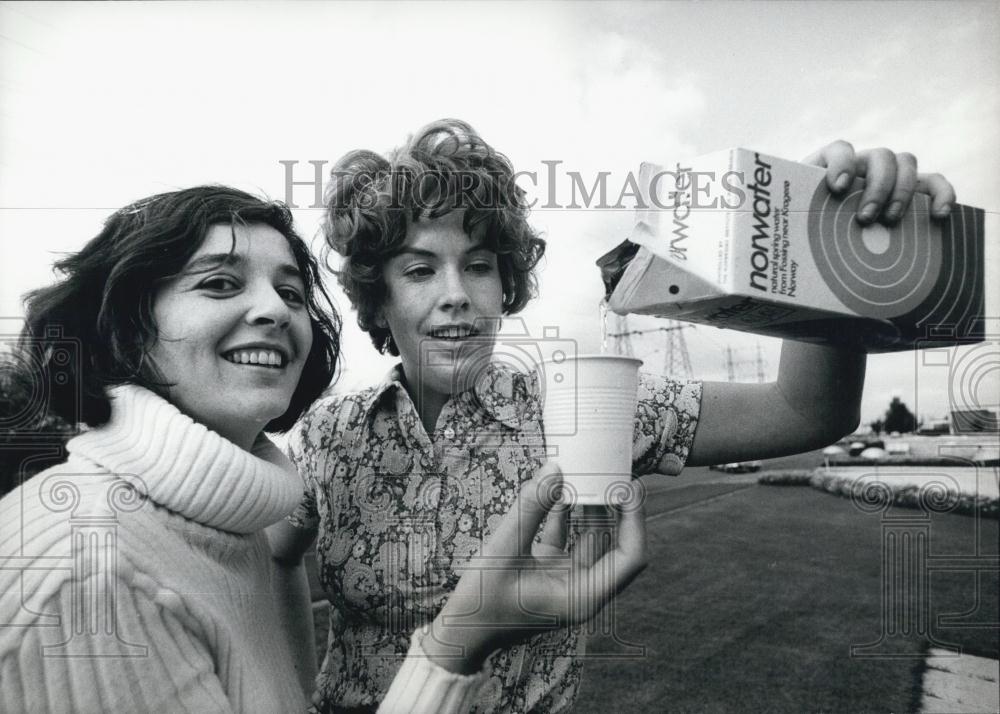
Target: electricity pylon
{"x": 758, "y": 363}
{"x": 676, "y": 360}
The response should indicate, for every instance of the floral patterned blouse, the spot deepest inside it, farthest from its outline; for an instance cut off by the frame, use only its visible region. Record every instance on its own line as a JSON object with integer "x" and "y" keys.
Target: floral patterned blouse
{"x": 397, "y": 508}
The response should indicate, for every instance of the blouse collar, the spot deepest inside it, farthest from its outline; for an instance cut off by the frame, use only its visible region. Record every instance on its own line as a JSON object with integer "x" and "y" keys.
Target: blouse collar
{"x": 502, "y": 392}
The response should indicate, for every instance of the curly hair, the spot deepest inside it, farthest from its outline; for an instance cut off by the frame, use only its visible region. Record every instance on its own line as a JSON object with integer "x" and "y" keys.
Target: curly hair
{"x": 102, "y": 308}
{"x": 446, "y": 166}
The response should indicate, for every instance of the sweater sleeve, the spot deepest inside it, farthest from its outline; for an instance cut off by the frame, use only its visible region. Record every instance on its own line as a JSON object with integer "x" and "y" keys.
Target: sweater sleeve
{"x": 145, "y": 658}
{"x": 423, "y": 687}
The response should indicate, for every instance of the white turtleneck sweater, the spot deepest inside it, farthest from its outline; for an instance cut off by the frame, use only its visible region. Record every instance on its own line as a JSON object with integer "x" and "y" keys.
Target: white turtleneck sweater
{"x": 136, "y": 577}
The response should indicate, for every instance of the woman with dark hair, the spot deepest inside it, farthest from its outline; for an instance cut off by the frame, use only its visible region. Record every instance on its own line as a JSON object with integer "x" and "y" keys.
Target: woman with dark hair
{"x": 137, "y": 575}
{"x": 193, "y": 322}
{"x": 436, "y": 250}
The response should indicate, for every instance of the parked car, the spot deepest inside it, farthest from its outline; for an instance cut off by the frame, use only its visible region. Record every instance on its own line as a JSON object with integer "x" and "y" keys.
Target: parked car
{"x": 856, "y": 448}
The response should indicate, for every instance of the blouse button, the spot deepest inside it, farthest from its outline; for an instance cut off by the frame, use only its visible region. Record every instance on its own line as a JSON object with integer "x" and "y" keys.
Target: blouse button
{"x": 449, "y": 433}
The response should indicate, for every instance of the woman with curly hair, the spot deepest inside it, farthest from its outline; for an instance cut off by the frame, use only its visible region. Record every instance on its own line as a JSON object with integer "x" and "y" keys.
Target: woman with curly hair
{"x": 436, "y": 249}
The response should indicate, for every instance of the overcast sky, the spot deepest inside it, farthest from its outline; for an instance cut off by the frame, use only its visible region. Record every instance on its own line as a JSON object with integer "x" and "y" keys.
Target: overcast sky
{"x": 101, "y": 104}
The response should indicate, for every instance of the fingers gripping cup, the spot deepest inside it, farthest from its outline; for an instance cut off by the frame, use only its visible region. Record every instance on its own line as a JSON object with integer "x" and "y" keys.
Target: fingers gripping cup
{"x": 588, "y": 411}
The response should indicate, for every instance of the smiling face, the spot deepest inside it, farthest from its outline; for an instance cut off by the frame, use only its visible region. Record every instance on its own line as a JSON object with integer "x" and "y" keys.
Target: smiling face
{"x": 234, "y": 331}
{"x": 443, "y": 306}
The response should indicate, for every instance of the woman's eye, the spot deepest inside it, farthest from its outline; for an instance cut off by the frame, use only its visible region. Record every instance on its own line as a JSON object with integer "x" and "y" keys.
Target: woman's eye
{"x": 481, "y": 267}
{"x": 418, "y": 271}
{"x": 292, "y": 295}
{"x": 219, "y": 283}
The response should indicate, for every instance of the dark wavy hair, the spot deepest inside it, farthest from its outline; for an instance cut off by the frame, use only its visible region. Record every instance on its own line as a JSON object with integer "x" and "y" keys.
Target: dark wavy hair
{"x": 92, "y": 328}
{"x": 446, "y": 166}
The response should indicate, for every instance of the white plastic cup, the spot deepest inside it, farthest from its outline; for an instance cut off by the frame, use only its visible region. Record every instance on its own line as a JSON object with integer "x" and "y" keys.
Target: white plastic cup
{"x": 588, "y": 413}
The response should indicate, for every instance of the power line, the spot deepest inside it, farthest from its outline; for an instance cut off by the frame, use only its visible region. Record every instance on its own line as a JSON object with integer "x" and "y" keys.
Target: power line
{"x": 676, "y": 362}
{"x": 757, "y": 362}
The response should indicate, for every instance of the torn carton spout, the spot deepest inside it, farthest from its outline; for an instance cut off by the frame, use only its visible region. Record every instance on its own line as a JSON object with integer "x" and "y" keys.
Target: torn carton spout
{"x": 747, "y": 241}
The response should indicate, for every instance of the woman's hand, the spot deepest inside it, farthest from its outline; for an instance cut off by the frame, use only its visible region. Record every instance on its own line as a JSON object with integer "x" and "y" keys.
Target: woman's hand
{"x": 890, "y": 181}
{"x": 508, "y": 592}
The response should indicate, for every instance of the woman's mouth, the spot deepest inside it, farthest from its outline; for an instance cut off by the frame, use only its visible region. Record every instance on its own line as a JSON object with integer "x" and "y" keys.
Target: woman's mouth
{"x": 453, "y": 332}
{"x": 257, "y": 357}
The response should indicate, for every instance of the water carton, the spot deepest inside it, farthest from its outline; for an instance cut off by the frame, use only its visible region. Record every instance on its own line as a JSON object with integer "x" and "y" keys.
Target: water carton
{"x": 747, "y": 241}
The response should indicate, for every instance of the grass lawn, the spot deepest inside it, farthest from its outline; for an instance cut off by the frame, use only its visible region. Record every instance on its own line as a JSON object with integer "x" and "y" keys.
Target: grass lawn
{"x": 752, "y": 603}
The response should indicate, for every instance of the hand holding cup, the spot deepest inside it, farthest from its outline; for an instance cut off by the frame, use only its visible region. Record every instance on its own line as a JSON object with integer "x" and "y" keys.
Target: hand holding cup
{"x": 511, "y": 590}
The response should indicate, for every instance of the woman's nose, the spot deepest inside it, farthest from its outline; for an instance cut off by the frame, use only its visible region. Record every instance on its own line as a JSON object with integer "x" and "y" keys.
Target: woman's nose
{"x": 267, "y": 307}
{"x": 455, "y": 294}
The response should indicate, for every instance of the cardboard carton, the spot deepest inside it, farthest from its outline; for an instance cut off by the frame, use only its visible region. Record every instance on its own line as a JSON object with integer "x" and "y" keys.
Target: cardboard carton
{"x": 746, "y": 241}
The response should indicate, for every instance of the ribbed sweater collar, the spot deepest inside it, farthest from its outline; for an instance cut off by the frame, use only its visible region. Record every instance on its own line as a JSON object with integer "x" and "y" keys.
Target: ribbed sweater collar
{"x": 187, "y": 468}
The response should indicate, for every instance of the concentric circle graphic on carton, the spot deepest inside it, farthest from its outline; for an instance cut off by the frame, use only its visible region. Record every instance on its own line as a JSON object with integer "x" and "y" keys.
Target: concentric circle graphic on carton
{"x": 877, "y": 271}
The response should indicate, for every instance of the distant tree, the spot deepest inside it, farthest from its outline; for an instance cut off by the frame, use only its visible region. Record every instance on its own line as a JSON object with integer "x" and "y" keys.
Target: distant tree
{"x": 877, "y": 426}
{"x": 899, "y": 418}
